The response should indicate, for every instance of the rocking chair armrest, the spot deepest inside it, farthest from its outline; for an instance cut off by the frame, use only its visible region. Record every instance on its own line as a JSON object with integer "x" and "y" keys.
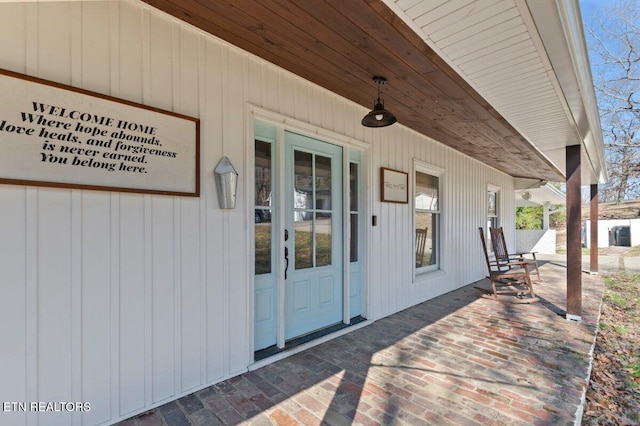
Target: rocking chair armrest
{"x": 498, "y": 265}
{"x": 519, "y": 257}
{"x": 533, "y": 253}
{"x": 502, "y": 266}
{"x": 512, "y": 263}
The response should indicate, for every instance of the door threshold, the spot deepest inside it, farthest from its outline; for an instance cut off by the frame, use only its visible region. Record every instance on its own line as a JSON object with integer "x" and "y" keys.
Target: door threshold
{"x": 293, "y": 343}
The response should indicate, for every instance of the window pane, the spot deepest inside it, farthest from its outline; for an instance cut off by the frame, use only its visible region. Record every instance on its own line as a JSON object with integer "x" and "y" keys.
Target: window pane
{"x": 492, "y": 222}
{"x": 263, "y": 173}
{"x": 354, "y": 238}
{"x": 426, "y": 192}
{"x": 353, "y": 207}
{"x": 303, "y": 180}
{"x": 323, "y": 239}
{"x": 323, "y": 183}
{"x": 353, "y": 187}
{"x": 263, "y": 248}
{"x": 492, "y": 215}
{"x": 426, "y": 239}
{"x": 262, "y": 215}
{"x": 491, "y": 203}
{"x": 303, "y": 239}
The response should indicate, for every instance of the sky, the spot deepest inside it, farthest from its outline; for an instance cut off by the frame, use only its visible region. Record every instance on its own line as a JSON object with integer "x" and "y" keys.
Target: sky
{"x": 590, "y": 7}
{"x": 615, "y": 23}
{"x": 591, "y": 4}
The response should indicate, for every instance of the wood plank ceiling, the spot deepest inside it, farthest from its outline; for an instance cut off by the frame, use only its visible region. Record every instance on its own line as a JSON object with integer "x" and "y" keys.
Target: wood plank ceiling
{"x": 340, "y": 45}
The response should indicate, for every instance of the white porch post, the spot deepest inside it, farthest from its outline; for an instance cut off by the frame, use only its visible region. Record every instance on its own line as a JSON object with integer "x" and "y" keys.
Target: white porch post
{"x": 546, "y": 211}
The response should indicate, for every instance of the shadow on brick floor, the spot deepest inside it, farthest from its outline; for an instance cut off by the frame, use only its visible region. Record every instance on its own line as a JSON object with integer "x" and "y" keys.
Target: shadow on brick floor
{"x": 455, "y": 359}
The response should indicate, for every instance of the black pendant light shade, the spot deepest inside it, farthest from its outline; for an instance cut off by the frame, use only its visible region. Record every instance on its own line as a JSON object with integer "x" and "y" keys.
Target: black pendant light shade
{"x": 379, "y": 117}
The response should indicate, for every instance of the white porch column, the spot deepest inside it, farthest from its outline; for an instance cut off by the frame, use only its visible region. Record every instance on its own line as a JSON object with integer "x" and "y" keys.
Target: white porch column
{"x": 546, "y": 211}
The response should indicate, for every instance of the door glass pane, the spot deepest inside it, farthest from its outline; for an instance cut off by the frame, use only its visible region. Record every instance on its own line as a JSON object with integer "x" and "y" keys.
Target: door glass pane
{"x": 263, "y": 248}
{"x": 303, "y": 239}
{"x": 353, "y": 187}
{"x": 354, "y": 238}
{"x": 323, "y": 239}
{"x": 262, "y": 211}
{"x": 303, "y": 180}
{"x": 303, "y": 218}
{"x": 323, "y": 183}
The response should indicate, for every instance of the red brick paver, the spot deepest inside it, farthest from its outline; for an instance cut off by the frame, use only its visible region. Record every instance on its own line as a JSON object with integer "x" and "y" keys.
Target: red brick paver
{"x": 458, "y": 359}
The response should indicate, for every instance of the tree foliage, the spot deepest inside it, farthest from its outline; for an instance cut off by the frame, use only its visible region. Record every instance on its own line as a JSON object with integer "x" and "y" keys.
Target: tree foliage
{"x": 558, "y": 219}
{"x": 613, "y": 36}
{"x": 529, "y": 217}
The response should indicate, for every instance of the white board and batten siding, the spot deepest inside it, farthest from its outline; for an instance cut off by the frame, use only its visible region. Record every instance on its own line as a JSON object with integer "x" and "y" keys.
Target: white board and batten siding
{"x": 127, "y": 301}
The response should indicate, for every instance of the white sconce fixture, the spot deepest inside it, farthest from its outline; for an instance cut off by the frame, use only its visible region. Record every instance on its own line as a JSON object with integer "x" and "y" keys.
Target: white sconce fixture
{"x": 226, "y": 183}
{"x": 526, "y": 196}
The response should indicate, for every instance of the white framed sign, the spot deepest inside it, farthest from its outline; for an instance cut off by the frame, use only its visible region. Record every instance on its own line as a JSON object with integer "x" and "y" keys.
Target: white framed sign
{"x": 57, "y": 135}
{"x": 394, "y": 186}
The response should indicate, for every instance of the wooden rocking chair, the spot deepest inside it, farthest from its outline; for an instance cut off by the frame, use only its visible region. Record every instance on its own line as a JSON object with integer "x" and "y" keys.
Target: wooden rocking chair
{"x": 513, "y": 276}
{"x": 502, "y": 254}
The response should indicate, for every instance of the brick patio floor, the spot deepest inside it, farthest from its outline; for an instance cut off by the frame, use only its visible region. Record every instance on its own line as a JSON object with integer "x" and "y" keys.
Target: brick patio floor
{"x": 458, "y": 359}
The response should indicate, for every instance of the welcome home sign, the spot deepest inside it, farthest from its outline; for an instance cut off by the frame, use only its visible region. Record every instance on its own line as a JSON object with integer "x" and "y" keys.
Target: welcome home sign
{"x": 57, "y": 135}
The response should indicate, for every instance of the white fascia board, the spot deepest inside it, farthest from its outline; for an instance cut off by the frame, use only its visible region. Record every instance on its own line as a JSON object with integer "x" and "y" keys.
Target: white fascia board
{"x": 557, "y": 20}
{"x": 398, "y": 11}
{"x": 546, "y": 193}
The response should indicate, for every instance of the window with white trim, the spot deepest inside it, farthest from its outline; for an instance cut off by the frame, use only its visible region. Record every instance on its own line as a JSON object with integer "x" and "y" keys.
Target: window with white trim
{"x": 493, "y": 200}
{"x": 426, "y": 205}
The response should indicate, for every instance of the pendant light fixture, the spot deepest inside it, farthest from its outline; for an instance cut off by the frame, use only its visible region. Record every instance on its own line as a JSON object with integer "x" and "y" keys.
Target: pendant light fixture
{"x": 379, "y": 117}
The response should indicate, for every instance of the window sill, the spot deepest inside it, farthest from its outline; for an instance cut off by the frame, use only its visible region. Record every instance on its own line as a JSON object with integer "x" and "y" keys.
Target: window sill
{"x": 421, "y": 277}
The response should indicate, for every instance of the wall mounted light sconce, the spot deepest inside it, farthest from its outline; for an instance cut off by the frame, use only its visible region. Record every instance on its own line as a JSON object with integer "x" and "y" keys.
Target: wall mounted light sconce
{"x": 526, "y": 196}
{"x": 379, "y": 117}
{"x": 226, "y": 183}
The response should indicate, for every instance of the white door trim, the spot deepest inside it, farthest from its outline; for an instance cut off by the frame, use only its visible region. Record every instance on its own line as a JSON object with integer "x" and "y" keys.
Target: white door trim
{"x": 282, "y": 123}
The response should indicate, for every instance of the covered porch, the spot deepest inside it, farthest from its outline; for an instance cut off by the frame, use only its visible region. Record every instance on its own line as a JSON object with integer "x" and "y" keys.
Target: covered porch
{"x": 131, "y": 300}
{"x": 508, "y": 84}
{"x": 455, "y": 359}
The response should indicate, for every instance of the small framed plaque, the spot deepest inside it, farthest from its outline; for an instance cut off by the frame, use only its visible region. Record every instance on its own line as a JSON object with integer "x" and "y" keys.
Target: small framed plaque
{"x": 394, "y": 186}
